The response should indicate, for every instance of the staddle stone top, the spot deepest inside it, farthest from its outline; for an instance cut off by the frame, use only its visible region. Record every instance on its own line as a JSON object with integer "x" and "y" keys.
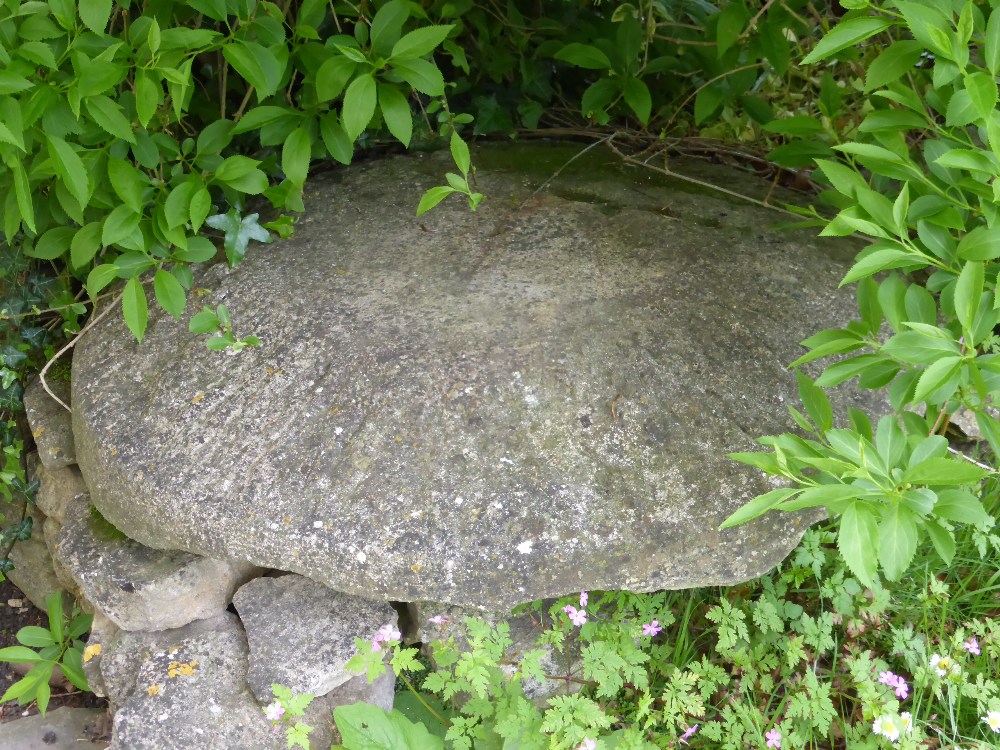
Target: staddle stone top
{"x": 476, "y": 408}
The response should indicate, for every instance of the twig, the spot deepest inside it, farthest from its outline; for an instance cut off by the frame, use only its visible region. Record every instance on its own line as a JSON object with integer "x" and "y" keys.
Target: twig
{"x": 959, "y": 453}
{"x": 90, "y": 324}
{"x": 753, "y": 21}
{"x": 607, "y": 139}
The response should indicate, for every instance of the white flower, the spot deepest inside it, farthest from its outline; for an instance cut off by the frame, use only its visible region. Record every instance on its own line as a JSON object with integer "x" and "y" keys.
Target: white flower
{"x": 906, "y": 722}
{"x": 992, "y": 720}
{"x": 274, "y": 711}
{"x": 886, "y": 726}
{"x": 944, "y": 665}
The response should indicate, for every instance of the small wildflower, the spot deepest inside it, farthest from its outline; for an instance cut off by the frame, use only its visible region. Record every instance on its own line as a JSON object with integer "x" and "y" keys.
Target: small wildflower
{"x": 376, "y": 646}
{"x": 906, "y": 722}
{"x": 651, "y": 628}
{"x": 945, "y": 665}
{"x": 274, "y": 711}
{"x": 886, "y": 726}
{"x": 576, "y": 616}
{"x": 972, "y": 646}
{"x": 774, "y": 738}
{"x": 584, "y": 598}
{"x": 587, "y": 744}
{"x": 436, "y": 620}
{"x": 687, "y": 734}
{"x": 896, "y": 682}
{"x": 992, "y": 720}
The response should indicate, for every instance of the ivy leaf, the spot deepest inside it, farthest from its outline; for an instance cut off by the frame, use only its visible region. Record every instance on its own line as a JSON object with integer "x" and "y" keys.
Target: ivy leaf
{"x": 239, "y": 231}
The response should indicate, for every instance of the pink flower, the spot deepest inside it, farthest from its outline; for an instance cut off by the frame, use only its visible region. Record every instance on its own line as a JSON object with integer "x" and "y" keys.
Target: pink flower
{"x": 436, "y": 620}
{"x": 274, "y": 711}
{"x": 385, "y": 633}
{"x": 887, "y": 678}
{"x": 376, "y": 645}
{"x": 584, "y": 597}
{"x": 587, "y": 744}
{"x": 774, "y": 738}
{"x": 652, "y": 628}
{"x": 896, "y": 682}
{"x": 972, "y": 646}
{"x": 687, "y": 733}
{"x": 576, "y": 616}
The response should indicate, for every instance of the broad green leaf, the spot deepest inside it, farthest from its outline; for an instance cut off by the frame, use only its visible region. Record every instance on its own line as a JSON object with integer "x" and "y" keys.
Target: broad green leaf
{"x": 359, "y": 105}
{"x": 257, "y": 64}
{"x": 109, "y": 116}
{"x": 331, "y": 78}
{"x": 729, "y": 25}
{"x": 897, "y": 541}
{"x": 35, "y": 637}
{"x": 176, "y": 209}
{"x": 942, "y": 539}
{"x": 849, "y": 368}
{"x": 707, "y": 101}
{"x": 95, "y": 14}
{"x": 54, "y": 608}
{"x": 932, "y": 446}
{"x": 258, "y": 117}
{"x": 199, "y": 250}
{"x": 822, "y": 496}
{"x": 22, "y": 194}
{"x": 946, "y": 471}
{"x": 119, "y": 225}
{"x": 72, "y": 666}
{"x": 982, "y": 88}
{"x": 796, "y": 126}
{"x": 844, "y": 179}
{"x": 890, "y": 441}
{"x": 367, "y": 727}
{"x": 990, "y": 428}
{"x": 99, "y": 277}
{"x": 982, "y": 243}
{"x": 335, "y": 139}
{"x": 422, "y": 75}
{"x": 638, "y": 98}
{"x": 387, "y": 25}
{"x": 70, "y": 169}
{"x": 961, "y": 110}
{"x": 395, "y": 112}
{"x": 880, "y": 260}
{"x": 961, "y": 506}
{"x": 968, "y": 290}
{"x": 419, "y": 42}
{"x": 846, "y": 34}
{"x": 148, "y": 96}
{"x": 893, "y": 63}
{"x": 296, "y": 154}
{"x": 85, "y": 245}
{"x": 169, "y": 293}
{"x": 936, "y": 375}
{"x": 858, "y": 540}
{"x": 135, "y": 308}
{"x": 215, "y": 137}
{"x": 127, "y": 182}
{"x": 432, "y": 197}
{"x": 201, "y": 206}
{"x": 584, "y": 56}
{"x": 53, "y": 244}
{"x": 815, "y": 401}
{"x": 19, "y": 654}
{"x": 919, "y": 349}
{"x": 992, "y": 46}
{"x": 460, "y": 153}
{"x": 234, "y": 167}
{"x": 238, "y": 233}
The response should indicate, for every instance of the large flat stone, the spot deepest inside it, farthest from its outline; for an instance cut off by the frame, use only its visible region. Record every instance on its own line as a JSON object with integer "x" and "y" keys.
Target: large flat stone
{"x": 474, "y": 408}
{"x": 58, "y": 488}
{"x": 139, "y": 588}
{"x": 301, "y": 633}
{"x": 60, "y": 729}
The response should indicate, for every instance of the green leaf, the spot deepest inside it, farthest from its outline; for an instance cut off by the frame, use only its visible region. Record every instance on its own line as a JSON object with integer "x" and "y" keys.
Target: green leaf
{"x": 127, "y": 182}
{"x": 824, "y": 495}
{"x": 460, "y": 153}
{"x": 99, "y": 277}
{"x": 846, "y": 34}
{"x": 880, "y": 260}
{"x": 176, "y": 209}
{"x": 707, "y": 101}
{"x": 849, "y": 368}
{"x": 920, "y": 349}
{"x": 944, "y": 471}
{"x": 22, "y": 193}
{"x": 135, "y": 308}
{"x": 796, "y": 126}
{"x": 85, "y": 245}
{"x": 70, "y": 169}
{"x": 387, "y": 25}
{"x": 367, "y": 727}
{"x": 982, "y": 243}
{"x": 53, "y": 244}
{"x": 201, "y": 206}
{"x": 858, "y": 540}
{"x": 335, "y": 139}
{"x": 54, "y": 607}
{"x": 893, "y": 63}
{"x": 359, "y": 105}
{"x": 119, "y": 225}
{"x": 19, "y": 654}
{"x": 968, "y": 291}
{"x": 422, "y": 75}
{"x": 34, "y": 636}
{"x": 942, "y": 539}
{"x": 95, "y": 14}
{"x": 432, "y": 197}
{"x": 584, "y": 56}
{"x": 257, "y": 64}
{"x": 992, "y": 46}
{"x": 331, "y": 78}
{"x": 731, "y": 22}
{"x": 234, "y": 168}
{"x": 296, "y": 154}
{"x": 109, "y": 116}
{"x": 961, "y": 506}
{"x": 169, "y": 293}
{"x": 815, "y": 401}
{"x": 258, "y": 117}
{"x": 238, "y": 233}
{"x": 897, "y": 541}
{"x": 758, "y": 507}
{"x": 395, "y": 112}
{"x": 199, "y": 250}
{"x": 148, "y": 96}
{"x": 215, "y": 137}
{"x": 982, "y": 88}
{"x": 419, "y": 42}
{"x": 638, "y": 98}
{"x": 936, "y": 375}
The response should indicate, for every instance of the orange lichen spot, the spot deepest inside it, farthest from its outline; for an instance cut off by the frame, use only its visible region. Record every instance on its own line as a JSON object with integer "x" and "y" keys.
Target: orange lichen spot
{"x": 94, "y": 649}
{"x": 38, "y": 432}
{"x": 179, "y": 668}
{"x": 198, "y": 397}
{"x": 153, "y": 689}
{"x": 114, "y": 451}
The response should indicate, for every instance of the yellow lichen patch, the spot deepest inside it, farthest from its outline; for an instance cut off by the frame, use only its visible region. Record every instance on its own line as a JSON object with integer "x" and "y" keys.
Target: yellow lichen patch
{"x": 153, "y": 689}
{"x": 94, "y": 649}
{"x": 38, "y": 432}
{"x": 180, "y": 668}
{"x": 198, "y": 397}
{"x": 415, "y": 567}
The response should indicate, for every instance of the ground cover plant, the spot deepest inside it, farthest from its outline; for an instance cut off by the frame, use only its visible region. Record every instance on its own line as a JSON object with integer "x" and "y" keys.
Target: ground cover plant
{"x": 137, "y": 140}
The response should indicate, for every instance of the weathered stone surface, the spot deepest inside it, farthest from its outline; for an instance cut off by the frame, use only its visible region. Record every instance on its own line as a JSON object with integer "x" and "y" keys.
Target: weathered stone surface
{"x": 57, "y": 489}
{"x": 301, "y": 633}
{"x": 477, "y": 408}
{"x": 60, "y": 729}
{"x": 51, "y": 425}
{"x": 33, "y": 571}
{"x": 139, "y": 588}
{"x": 102, "y": 634}
{"x": 186, "y": 689}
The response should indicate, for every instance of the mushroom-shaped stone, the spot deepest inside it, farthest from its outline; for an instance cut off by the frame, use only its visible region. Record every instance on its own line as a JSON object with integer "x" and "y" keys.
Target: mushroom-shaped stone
{"x": 475, "y": 408}
{"x": 301, "y": 633}
{"x": 139, "y": 588}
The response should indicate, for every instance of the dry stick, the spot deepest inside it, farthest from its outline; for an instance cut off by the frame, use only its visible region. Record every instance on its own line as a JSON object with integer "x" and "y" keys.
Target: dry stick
{"x": 607, "y": 139}
{"x": 959, "y": 453}
{"x": 90, "y": 324}
{"x": 753, "y": 21}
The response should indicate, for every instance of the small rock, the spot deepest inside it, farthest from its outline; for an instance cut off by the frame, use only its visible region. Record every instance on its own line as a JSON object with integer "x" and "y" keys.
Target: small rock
{"x": 51, "y": 425}
{"x": 60, "y": 729}
{"x": 102, "y": 634}
{"x": 33, "y": 571}
{"x": 58, "y": 488}
{"x": 139, "y": 588}
{"x": 301, "y": 633}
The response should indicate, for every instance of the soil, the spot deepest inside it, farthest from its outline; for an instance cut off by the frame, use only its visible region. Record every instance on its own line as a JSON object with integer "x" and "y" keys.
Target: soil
{"x": 15, "y": 613}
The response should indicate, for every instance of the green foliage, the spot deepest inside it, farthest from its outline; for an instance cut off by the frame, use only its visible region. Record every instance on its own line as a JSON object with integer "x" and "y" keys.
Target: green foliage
{"x": 45, "y": 649}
